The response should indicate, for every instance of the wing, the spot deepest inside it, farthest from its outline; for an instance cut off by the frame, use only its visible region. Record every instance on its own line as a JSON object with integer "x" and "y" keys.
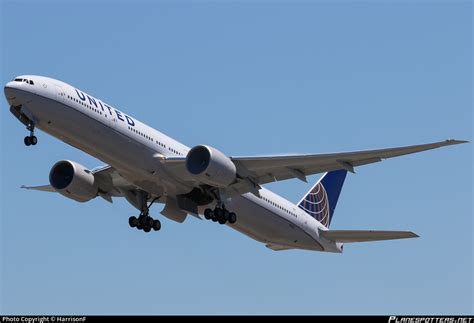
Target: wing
{"x": 44, "y": 188}
{"x": 110, "y": 182}
{"x": 263, "y": 170}
{"x": 365, "y": 235}
{"x": 254, "y": 171}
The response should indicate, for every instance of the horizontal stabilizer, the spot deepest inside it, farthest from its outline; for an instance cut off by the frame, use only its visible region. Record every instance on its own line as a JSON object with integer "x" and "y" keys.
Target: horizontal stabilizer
{"x": 365, "y": 235}
{"x": 276, "y": 247}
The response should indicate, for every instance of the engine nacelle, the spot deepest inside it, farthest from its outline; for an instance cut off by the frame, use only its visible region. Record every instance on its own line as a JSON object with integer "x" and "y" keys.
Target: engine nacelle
{"x": 73, "y": 181}
{"x": 211, "y": 166}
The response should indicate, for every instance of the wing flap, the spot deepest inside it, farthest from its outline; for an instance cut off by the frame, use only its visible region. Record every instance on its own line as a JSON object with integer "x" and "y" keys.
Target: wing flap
{"x": 348, "y": 236}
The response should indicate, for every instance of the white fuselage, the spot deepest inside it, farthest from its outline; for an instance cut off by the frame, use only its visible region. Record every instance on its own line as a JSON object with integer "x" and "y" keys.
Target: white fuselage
{"x": 134, "y": 150}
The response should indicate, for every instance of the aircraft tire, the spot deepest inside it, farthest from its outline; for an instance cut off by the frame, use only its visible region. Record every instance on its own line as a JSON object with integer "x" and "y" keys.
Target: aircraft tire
{"x": 133, "y": 221}
{"x": 232, "y": 217}
{"x": 208, "y": 214}
{"x": 156, "y": 225}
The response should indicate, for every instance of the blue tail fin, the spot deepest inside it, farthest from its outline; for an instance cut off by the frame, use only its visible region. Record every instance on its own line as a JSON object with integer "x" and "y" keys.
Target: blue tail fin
{"x": 321, "y": 200}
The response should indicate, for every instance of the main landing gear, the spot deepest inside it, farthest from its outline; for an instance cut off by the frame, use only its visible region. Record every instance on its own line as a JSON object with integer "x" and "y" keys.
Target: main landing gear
{"x": 145, "y": 222}
{"x": 31, "y": 139}
{"x": 220, "y": 215}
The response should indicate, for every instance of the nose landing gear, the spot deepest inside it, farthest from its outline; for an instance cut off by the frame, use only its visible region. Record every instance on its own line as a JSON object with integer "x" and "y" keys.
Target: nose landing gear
{"x": 31, "y": 139}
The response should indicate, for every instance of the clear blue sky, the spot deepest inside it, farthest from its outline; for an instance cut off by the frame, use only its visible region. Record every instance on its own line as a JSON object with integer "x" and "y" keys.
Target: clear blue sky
{"x": 248, "y": 78}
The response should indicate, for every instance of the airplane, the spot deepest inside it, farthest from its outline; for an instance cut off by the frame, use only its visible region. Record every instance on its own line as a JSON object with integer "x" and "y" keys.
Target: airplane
{"x": 145, "y": 167}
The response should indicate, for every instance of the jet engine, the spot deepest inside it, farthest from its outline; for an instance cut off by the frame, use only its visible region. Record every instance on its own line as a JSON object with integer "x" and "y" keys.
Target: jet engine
{"x": 211, "y": 166}
{"x": 73, "y": 181}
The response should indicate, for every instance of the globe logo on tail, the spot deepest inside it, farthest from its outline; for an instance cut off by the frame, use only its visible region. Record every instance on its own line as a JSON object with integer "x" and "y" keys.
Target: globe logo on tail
{"x": 316, "y": 204}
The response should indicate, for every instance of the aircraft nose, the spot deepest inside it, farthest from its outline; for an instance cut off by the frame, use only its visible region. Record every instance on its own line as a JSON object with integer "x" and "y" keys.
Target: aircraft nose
{"x": 11, "y": 93}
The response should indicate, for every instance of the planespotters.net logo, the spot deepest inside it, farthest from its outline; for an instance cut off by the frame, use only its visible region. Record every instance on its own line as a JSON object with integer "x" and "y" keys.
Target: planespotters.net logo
{"x": 408, "y": 319}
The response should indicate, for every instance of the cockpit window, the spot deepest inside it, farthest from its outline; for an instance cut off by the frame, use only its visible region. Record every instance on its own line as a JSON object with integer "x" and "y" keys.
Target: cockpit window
{"x": 24, "y": 80}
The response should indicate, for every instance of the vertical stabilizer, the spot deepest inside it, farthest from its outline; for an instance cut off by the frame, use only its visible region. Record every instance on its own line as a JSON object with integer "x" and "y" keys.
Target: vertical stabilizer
{"x": 320, "y": 202}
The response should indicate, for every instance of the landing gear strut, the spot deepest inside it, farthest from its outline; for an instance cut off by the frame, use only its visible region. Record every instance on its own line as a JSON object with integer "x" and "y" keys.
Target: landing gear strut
{"x": 220, "y": 215}
{"x": 31, "y": 139}
{"x": 145, "y": 222}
